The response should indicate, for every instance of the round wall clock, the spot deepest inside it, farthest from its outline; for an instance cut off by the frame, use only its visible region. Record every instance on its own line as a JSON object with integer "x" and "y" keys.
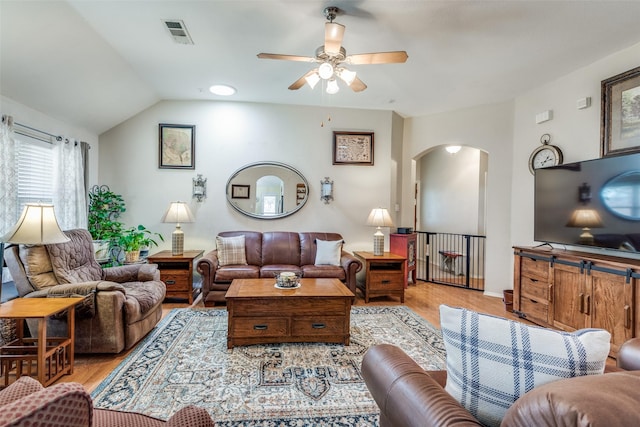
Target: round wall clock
{"x": 544, "y": 156}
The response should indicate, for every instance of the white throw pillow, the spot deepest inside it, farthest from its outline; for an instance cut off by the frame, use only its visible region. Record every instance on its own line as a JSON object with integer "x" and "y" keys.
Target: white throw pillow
{"x": 492, "y": 361}
{"x": 328, "y": 252}
{"x": 231, "y": 250}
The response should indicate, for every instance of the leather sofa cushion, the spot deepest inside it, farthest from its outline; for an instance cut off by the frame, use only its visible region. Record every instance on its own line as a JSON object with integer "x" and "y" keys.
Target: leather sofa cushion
{"x": 273, "y": 269}
{"x": 230, "y": 272}
{"x": 37, "y": 266}
{"x": 280, "y": 247}
{"x": 594, "y": 400}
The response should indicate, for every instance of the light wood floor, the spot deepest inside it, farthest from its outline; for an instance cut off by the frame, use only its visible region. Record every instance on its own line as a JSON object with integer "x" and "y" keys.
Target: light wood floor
{"x": 423, "y": 298}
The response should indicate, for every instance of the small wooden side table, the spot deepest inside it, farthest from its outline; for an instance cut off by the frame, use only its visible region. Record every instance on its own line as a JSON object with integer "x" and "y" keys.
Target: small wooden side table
{"x": 381, "y": 275}
{"x": 53, "y": 357}
{"x": 176, "y": 271}
{"x": 405, "y": 245}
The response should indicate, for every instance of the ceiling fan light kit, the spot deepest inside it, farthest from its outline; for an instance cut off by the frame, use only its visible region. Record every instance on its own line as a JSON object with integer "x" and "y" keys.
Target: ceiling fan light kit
{"x": 332, "y": 55}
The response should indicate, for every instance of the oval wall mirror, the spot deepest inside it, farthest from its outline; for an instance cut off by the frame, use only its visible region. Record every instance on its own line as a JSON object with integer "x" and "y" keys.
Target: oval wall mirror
{"x": 621, "y": 195}
{"x": 267, "y": 190}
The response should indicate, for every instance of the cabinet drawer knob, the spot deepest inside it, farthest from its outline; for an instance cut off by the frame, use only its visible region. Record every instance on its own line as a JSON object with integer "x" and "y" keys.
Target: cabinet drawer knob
{"x": 385, "y": 282}
{"x": 170, "y": 282}
{"x": 318, "y": 325}
{"x": 260, "y": 327}
{"x": 581, "y": 296}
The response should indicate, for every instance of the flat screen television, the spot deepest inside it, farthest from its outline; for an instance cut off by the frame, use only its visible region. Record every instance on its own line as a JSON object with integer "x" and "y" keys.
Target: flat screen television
{"x": 594, "y": 203}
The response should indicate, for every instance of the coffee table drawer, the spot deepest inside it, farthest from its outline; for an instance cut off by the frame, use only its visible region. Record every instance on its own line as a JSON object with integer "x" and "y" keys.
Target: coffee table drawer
{"x": 299, "y": 306}
{"x": 316, "y": 325}
{"x": 260, "y": 326}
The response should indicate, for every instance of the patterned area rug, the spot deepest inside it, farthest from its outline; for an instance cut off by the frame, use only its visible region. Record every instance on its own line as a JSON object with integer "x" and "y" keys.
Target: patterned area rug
{"x": 185, "y": 360}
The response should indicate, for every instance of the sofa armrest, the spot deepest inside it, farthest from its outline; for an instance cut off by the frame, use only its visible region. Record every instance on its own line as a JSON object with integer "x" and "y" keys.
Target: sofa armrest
{"x": 406, "y": 394}
{"x": 131, "y": 273}
{"x": 64, "y": 399}
{"x": 23, "y": 386}
{"x": 207, "y": 266}
{"x": 192, "y": 416}
{"x": 351, "y": 266}
{"x": 629, "y": 355}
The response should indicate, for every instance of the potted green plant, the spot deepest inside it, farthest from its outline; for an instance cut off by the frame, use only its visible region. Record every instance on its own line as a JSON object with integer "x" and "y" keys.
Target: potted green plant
{"x": 132, "y": 239}
{"x": 105, "y": 207}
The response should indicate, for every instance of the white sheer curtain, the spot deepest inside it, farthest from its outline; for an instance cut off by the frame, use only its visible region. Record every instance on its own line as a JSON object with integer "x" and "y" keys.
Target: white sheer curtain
{"x": 8, "y": 176}
{"x": 68, "y": 185}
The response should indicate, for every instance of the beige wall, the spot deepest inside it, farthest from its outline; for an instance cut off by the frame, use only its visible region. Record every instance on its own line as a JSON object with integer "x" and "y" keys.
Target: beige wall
{"x": 230, "y": 135}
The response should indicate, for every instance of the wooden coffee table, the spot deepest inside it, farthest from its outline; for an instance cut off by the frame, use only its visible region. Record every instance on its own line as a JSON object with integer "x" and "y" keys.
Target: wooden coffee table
{"x": 318, "y": 311}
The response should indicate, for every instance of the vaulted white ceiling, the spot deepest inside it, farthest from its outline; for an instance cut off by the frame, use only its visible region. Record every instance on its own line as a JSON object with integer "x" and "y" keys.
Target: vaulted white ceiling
{"x": 96, "y": 63}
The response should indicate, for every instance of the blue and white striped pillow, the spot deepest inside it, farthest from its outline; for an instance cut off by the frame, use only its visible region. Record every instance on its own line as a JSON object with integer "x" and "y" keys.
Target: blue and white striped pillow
{"x": 492, "y": 361}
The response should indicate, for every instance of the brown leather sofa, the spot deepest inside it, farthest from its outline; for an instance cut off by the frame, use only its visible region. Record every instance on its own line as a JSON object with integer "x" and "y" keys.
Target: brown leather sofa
{"x": 409, "y": 396}
{"x": 269, "y": 253}
{"x": 122, "y": 303}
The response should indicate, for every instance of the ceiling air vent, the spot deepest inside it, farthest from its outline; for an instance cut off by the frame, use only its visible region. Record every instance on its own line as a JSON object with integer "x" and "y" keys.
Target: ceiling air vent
{"x": 178, "y": 31}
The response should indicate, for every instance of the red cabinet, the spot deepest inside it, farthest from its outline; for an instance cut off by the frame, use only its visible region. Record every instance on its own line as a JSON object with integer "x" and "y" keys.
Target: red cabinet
{"x": 406, "y": 245}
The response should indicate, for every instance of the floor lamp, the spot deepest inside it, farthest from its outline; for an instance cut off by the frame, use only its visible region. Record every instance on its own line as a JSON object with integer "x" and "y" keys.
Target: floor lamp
{"x": 37, "y": 226}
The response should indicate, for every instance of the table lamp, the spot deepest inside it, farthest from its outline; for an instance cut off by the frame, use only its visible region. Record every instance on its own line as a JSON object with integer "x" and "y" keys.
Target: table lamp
{"x": 379, "y": 217}
{"x": 178, "y": 212}
{"x": 585, "y": 219}
{"x": 37, "y": 226}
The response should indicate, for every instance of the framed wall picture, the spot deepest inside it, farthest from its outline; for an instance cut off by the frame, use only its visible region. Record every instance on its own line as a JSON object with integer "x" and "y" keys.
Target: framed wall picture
{"x": 353, "y": 148}
{"x": 620, "y": 117}
{"x": 240, "y": 191}
{"x": 177, "y": 146}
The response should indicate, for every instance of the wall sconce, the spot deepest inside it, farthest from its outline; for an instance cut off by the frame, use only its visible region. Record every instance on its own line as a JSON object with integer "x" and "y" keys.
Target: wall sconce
{"x": 326, "y": 190}
{"x": 584, "y": 193}
{"x": 199, "y": 187}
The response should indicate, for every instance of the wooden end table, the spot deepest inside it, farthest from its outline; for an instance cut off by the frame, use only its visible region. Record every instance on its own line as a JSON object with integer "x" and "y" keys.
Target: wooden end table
{"x": 176, "y": 271}
{"x": 318, "y": 311}
{"x": 382, "y": 275}
{"x": 53, "y": 357}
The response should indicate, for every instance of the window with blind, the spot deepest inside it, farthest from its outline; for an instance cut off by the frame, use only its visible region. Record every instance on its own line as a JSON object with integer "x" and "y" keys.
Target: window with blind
{"x": 35, "y": 177}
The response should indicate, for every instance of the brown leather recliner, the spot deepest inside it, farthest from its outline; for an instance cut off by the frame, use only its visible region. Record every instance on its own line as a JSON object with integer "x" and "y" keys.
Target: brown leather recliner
{"x": 409, "y": 396}
{"x": 272, "y": 252}
{"x": 122, "y": 304}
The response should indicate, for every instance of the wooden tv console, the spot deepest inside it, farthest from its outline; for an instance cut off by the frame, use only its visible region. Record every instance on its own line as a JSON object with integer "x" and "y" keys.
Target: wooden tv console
{"x": 571, "y": 290}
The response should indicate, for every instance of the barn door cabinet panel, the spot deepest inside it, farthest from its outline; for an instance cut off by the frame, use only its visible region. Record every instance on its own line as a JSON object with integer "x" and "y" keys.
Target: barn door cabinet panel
{"x": 571, "y": 290}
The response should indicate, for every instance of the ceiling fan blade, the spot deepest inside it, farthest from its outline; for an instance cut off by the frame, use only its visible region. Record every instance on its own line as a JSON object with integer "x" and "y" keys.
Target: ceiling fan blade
{"x": 301, "y": 81}
{"x": 286, "y": 57}
{"x": 394, "y": 57}
{"x": 333, "y": 34}
{"x": 358, "y": 85}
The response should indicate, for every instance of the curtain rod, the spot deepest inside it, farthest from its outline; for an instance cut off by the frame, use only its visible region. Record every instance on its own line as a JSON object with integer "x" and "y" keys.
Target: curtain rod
{"x": 9, "y": 121}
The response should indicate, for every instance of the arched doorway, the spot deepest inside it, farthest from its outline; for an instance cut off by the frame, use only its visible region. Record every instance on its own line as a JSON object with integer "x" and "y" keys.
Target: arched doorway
{"x": 451, "y": 215}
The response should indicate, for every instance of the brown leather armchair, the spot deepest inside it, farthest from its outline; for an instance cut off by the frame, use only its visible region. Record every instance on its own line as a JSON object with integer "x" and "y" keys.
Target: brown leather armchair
{"x": 122, "y": 304}
{"x": 26, "y": 403}
{"x": 409, "y": 396}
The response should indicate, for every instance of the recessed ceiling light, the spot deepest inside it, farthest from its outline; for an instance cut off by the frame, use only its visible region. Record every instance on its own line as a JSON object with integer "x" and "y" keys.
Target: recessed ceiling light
{"x": 222, "y": 90}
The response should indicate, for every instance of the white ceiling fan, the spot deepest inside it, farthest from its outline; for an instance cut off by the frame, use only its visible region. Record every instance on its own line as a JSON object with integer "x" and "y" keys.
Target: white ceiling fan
{"x": 332, "y": 58}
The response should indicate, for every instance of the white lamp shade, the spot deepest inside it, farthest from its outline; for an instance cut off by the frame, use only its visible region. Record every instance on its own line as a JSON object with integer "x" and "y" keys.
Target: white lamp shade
{"x": 379, "y": 217}
{"x": 585, "y": 218}
{"x": 178, "y": 212}
{"x": 313, "y": 79}
{"x": 37, "y": 226}
{"x": 347, "y": 76}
